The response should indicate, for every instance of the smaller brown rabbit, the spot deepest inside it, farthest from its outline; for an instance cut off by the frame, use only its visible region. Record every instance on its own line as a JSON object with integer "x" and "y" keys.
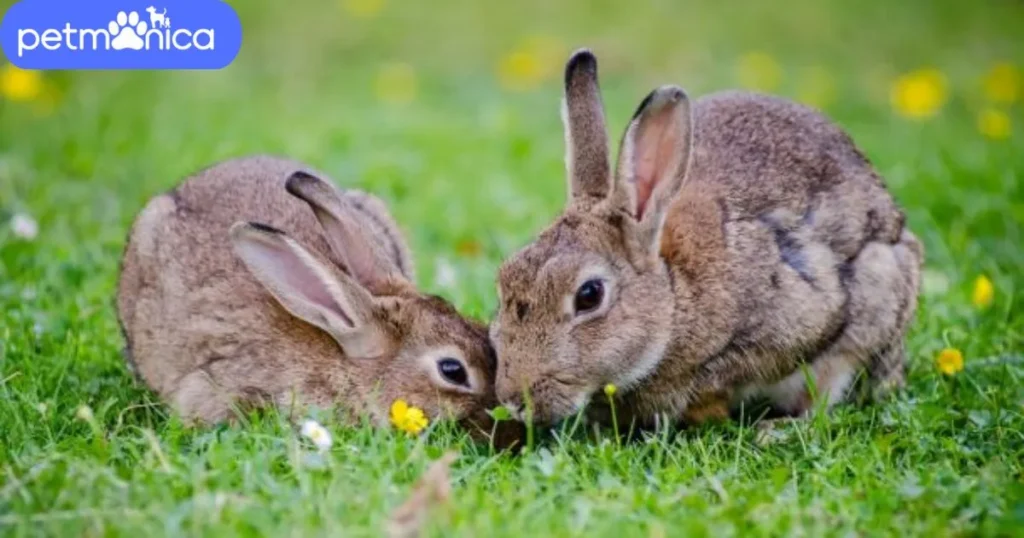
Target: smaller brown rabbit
{"x": 221, "y": 307}
{"x": 742, "y": 247}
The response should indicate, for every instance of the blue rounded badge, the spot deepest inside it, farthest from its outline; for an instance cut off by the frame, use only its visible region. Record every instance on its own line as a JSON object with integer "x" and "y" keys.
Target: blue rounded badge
{"x": 121, "y": 34}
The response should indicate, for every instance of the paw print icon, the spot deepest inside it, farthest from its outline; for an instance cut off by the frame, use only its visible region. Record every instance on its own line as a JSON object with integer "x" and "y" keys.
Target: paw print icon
{"x": 126, "y": 31}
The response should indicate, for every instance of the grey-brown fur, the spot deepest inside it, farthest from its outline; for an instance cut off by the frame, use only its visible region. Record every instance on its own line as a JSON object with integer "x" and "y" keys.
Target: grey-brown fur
{"x": 740, "y": 238}
{"x": 210, "y": 324}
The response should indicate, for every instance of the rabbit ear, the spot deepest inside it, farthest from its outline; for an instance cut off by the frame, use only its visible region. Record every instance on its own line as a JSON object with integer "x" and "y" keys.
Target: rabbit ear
{"x": 308, "y": 289}
{"x": 654, "y": 157}
{"x": 364, "y": 258}
{"x": 586, "y": 140}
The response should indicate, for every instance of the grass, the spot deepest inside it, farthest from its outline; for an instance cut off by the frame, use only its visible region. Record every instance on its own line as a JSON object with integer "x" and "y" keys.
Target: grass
{"x": 472, "y": 170}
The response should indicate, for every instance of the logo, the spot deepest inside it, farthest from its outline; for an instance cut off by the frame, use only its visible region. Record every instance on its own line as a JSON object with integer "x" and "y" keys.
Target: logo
{"x": 125, "y": 34}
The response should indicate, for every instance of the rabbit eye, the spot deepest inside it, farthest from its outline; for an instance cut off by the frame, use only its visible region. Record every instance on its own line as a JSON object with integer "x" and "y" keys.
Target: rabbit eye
{"x": 453, "y": 371}
{"x": 589, "y": 296}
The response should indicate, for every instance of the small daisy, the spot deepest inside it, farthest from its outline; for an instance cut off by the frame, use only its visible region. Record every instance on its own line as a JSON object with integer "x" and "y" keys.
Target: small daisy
{"x": 84, "y": 413}
{"x": 316, "y": 433}
{"x": 24, "y": 227}
{"x": 445, "y": 274}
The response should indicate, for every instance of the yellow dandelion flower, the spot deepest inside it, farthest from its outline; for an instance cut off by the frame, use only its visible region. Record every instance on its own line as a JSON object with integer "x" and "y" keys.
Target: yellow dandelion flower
{"x": 363, "y": 9}
{"x": 534, "y": 60}
{"x": 995, "y": 124}
{"x": 1002, "y": 83}
{"x": 396, "y": 84}
{"x": 19, "y": 84}
{"x": 549, "y": 52}
{"x": 950, "y": 361}
{"x": 408, "y": 418}
{"x": 816, "y": 87}
{"x": 919, "y": 94}
{"x": 610, "y": 390}
{"x": 519, "y": 71}
{"x": 759, "y": 71}
{"x": 983, "y": 292}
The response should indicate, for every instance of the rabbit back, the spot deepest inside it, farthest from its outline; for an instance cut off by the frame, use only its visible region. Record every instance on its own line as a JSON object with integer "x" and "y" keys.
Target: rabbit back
{"x": 811, "y": 260}
{"x": 191, "y": 313}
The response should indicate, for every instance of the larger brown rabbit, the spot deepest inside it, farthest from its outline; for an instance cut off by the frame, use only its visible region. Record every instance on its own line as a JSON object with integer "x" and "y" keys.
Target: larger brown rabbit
{"x": 255, "y": 282}
{"x": 738, "y": 240}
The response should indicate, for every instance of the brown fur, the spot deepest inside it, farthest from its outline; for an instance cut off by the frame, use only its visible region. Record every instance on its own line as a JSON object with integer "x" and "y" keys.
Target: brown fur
{"x": 207, "y": 336}
{"x": 770, "y": 243}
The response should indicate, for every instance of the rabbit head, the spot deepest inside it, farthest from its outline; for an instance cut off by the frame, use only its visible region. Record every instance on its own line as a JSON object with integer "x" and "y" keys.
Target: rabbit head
{"x": 396, "y": 342}
{"x": 590, "y": 301}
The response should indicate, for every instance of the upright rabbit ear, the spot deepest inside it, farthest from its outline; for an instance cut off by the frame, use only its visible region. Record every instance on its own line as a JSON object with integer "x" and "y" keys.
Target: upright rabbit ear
{"x": 309, "y": 289}
{"x": 365, "y": 259}
{"x": 654, "y": 158}
{"x": 586, "y": 140}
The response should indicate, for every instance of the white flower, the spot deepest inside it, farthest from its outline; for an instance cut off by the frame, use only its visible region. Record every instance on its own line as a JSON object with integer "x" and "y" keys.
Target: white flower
{"x": 84, "y": 413}
{"x": 24, "y": 226}
{"x": 445, "y": 274}
{"x": 313, "y": 431}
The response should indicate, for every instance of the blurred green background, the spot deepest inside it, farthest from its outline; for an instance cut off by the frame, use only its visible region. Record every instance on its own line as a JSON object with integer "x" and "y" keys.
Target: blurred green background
{"x": 449, "y": 110}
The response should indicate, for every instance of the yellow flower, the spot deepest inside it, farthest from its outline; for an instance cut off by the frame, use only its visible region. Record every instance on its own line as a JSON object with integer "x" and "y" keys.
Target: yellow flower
{"x": 363, "y": 9}
{"x": 816, "y": 88}
{"x": 950, "y": 361}
{"x": 408, "y": 418}
{"x": 18, "y": 84}
{"x": 1002, "y": 83}
{"x": 532, "y": 62}
{"x": 758, "y": 71}
{"x": 994, "y": 124}
{"x": 919, "y": 94}
{"x": 396, "y": 84}
{"x": 983, "y": 292}
{"x": 609, "y": 390}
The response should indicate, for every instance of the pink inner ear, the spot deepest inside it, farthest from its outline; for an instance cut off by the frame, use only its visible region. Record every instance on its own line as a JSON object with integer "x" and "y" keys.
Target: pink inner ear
{"x": 653, "y": 149}
{"x": 294, "y": 279}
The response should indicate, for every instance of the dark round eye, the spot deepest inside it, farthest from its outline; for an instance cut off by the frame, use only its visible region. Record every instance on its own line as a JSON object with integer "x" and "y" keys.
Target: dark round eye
{"x": 589, "y": 296}
{"x": 453, "y": 371}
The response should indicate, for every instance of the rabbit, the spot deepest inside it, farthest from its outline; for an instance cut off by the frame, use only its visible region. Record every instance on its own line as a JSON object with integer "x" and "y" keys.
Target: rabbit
{"x": 255, "y": 283}
{"x": 743, "y": 251}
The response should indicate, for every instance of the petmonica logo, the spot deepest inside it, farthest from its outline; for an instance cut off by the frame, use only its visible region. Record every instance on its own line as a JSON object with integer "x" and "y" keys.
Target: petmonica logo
{"x": 121, "y": 34}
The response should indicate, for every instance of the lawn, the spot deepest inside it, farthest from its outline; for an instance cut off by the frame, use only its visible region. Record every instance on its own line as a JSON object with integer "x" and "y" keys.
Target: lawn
{"x": 450, "y": 112}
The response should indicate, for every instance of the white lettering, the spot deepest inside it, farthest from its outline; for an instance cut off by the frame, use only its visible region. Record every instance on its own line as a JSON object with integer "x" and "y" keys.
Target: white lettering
{"x": 68, "y": 31}
{"x": 22, "y": 46}
{"x": 209, "y": 34}
{"x": 96, "y": 34}
{"x": 179, "y": 46}
{"x": 76, "y": 39}
{"x": 51, "y": 39}
{"x": 159, "y": 39}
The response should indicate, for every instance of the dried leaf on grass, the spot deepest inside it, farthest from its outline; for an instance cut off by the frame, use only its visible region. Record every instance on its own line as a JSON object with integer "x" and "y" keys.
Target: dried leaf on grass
{"x": 432, "y": 489}
{"x": 773, "y": 431}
